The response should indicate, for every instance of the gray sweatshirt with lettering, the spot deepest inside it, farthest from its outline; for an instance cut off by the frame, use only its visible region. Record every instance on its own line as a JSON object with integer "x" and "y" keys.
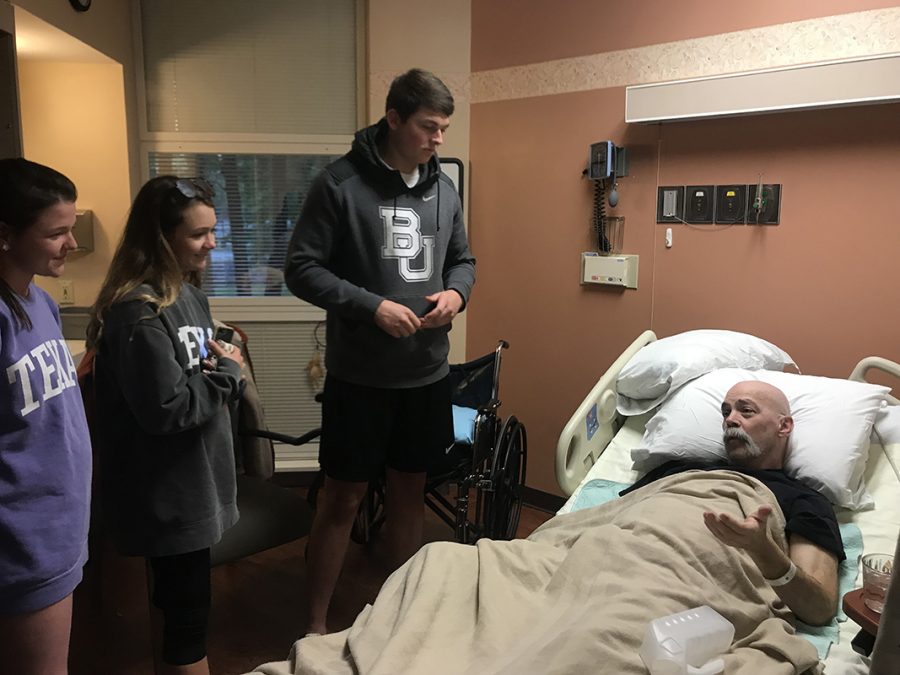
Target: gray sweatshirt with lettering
{"x": 364, "y": 236}
{"x": 168, "y": 467}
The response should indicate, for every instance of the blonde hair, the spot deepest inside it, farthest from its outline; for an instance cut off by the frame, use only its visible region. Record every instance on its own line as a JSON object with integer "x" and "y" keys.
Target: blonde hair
{"x": 144, "y": 256}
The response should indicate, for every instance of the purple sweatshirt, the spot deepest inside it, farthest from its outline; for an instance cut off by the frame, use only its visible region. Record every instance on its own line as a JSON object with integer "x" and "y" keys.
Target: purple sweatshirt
{"x": 45, "y": 461}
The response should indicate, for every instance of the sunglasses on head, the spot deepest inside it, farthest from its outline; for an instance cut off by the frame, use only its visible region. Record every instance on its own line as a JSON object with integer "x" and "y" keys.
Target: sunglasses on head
{"x": 195, "y": 188}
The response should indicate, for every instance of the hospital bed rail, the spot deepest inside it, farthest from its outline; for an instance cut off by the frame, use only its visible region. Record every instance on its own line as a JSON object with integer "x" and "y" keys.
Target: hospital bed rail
{"x": 876, "y": 363}
{"x": 594, "y": 423}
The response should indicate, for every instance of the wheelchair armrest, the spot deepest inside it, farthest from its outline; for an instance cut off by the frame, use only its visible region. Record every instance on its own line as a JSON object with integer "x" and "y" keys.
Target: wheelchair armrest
{"x": 489, "y": 407}
{"x": 282, "y": 438}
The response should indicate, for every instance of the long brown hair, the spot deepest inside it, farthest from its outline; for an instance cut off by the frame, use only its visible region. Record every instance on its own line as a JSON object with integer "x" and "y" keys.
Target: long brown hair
{"x": 27, "y": 189}
{"x": 144, "y": 255}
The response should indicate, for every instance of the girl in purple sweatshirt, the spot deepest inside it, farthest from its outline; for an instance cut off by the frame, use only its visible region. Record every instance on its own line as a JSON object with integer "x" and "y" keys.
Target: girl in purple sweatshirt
{"x": 45, "y": 451}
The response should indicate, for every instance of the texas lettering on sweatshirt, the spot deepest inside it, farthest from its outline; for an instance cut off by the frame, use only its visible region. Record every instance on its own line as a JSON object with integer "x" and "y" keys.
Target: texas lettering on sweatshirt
{"x": 45, "y": 459}
{"x": 41, "y": 374}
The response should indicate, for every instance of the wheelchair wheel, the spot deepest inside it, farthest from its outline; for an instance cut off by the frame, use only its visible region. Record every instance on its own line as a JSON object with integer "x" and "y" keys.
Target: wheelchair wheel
{"x": 504, "y": 505}
{"x": 370, "y": 516}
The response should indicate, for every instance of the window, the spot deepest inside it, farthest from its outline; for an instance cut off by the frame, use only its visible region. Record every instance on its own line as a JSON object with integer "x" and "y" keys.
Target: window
{"x": 256, "y": 97}
{"x": 258, "y": 200}
{"x": 261, "y": 67}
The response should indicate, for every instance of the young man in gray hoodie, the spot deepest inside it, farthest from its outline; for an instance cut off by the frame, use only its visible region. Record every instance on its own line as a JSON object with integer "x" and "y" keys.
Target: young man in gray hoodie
{"x": 381, "y": 245}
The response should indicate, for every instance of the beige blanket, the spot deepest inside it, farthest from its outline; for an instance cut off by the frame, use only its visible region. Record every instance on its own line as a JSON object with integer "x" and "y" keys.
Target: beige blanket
{"x": 575, "y": 597}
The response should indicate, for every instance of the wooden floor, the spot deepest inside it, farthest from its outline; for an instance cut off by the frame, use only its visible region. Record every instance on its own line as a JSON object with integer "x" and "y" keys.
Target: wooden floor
{"x": 256, "y": 614}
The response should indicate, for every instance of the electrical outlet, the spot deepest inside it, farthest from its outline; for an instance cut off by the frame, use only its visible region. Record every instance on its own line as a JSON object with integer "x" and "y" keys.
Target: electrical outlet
{"x": 699, "y": 204}
{"x": 767, "y": 210}
{"x": 67, "y": 296}
{"x": 731, "y": 204}
{"x": 669, "y": 204}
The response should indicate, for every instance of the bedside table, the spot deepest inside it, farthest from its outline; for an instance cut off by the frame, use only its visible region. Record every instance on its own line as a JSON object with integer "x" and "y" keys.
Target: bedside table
{"x": 855, "y": 608}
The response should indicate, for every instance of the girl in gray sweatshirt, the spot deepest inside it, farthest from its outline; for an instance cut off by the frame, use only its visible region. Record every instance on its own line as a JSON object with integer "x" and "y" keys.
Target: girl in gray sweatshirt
{"x": 168, "y": 468}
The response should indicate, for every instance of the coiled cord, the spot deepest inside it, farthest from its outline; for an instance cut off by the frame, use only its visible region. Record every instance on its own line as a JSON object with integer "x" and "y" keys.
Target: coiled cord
{"x": 603, "y": 244}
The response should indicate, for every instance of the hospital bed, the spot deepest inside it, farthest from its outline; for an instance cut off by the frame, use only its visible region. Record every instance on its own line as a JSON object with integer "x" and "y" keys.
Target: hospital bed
{"x": 577, "y": 595}
{"x": 596, "y": 444}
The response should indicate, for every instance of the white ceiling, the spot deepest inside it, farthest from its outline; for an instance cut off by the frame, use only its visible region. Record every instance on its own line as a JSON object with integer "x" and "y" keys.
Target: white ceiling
{"x": 37, "y": 40}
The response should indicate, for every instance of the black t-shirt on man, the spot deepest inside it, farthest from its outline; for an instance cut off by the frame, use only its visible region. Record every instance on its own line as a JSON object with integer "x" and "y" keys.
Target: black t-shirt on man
{"x": 806, "y": 512}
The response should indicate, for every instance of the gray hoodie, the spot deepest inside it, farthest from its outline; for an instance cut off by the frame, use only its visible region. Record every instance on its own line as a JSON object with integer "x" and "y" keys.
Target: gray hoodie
{"x": 364, "y": 236}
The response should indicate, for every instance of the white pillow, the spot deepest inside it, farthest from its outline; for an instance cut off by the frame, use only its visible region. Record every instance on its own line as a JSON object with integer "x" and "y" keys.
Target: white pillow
{"x": 827, "y": 449}
{"x": 660, "y": 367}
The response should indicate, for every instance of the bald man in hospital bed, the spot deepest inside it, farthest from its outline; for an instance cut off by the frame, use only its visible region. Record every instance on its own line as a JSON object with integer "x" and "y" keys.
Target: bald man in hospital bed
{"x": 757, "y": 423}
{"x": 578, "y": 594}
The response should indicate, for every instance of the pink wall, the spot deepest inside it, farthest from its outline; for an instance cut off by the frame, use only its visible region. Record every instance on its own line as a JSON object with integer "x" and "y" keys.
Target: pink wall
{"x": 822, "y": 284}
{"x": 542, "y": 30}
{"x": 529, "y": 221}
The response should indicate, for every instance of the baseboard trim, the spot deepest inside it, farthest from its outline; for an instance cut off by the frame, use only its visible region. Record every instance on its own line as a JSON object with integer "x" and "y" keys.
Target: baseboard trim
{"x": 543, "y": 501}
{"x": 294, "y": 478}
{"x": 536, "y": 499}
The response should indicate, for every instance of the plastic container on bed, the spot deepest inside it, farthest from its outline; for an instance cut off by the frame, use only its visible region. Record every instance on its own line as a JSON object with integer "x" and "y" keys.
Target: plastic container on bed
{"x": 687, "y": 643}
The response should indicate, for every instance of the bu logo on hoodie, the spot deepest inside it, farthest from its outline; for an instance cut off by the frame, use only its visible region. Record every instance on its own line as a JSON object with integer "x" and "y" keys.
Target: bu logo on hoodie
{"x": 404, "y": 241}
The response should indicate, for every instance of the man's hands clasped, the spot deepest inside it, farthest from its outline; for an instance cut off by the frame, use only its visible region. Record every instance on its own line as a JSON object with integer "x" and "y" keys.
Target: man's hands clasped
{"x": 400, "y": 321}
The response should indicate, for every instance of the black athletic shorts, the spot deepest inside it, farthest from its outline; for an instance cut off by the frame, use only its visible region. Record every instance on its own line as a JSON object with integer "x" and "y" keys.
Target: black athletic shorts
{"x": 365, "y": 429}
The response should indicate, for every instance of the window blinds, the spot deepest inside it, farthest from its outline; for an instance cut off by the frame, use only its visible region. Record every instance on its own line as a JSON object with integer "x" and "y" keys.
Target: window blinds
{"x": 280, "y": 353}
{"x": 258, "y": 198}
{"x": 266, "y": 67}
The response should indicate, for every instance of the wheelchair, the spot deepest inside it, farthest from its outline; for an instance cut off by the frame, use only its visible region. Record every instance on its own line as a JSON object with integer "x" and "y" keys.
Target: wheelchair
{"x": 476, "y": 488}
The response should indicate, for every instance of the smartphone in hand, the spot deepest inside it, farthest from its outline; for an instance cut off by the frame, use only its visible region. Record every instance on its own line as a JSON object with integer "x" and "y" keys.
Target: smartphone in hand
{"x": 224, "y": 334}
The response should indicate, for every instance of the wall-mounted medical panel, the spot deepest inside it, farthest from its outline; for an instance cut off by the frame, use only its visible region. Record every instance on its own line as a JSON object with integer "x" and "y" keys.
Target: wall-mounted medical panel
{"x": 764, "y": 208}
{"x": 670, "y": 204}
{"x": 830, "y": 84}
{"x": 610, "y": 270}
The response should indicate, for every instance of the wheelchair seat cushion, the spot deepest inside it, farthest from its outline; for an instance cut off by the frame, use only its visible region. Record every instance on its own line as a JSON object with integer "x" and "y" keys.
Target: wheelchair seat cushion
{"x": 464, "y": 424}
